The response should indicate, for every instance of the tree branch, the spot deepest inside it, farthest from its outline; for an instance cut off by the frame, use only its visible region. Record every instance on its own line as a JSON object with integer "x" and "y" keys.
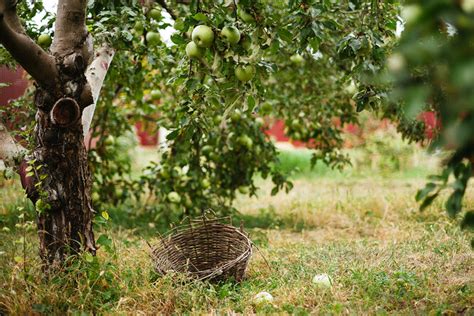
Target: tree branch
{"x": 8, "y": 7}
{"x": 165, "y": 6}
{"x": 70, "y": 30}
{"x": 95, "y": 75}
{"x": 40, "y": 65}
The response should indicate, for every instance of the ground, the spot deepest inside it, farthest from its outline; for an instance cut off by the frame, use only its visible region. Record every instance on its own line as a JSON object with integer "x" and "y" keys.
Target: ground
{"x": 364, "y": 231}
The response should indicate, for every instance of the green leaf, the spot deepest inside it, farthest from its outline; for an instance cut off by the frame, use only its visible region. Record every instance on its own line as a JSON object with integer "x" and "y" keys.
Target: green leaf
{"x": 274, "y": 191}
{"x": 468, "y": 220}
{"x": 173, "y": 135}
{"x": 428, "y": 201}
{"x": 177, "y": 39}
{"x": 200, "y": 17}
{"x": 421, "y": 194}
{"x": 105, "y": 215}
{"x": 454, "y": 203}
{"x": 104, "y": 240}
{"x": 251, "y": 102}
{"x": 285, "y": 34}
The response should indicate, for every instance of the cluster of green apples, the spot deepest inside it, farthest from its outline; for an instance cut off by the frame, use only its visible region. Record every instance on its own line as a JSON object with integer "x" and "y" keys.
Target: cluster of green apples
{"x": 203, "y": 37}
{"x": 151, "y": 37}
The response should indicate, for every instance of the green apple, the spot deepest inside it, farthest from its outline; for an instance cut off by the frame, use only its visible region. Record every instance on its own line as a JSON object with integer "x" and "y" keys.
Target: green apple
{"x": 203, "y": 36}
{"x": 153, "y": 38}
{"x": 262, "y": 298}
{"x": 246, "y": 43}
{"x": 44, "y": 40}
{"x": 245, "y": 72}
{"x": 230, "y": 34}
{"x": 177, "y": 171}
{"x": 217, "y": 119}
{"x": 188, "y": 202}
{"x": 155, "y": 14}
{"x": 411, "y": 13}
{"x": 245, "y": 141}
{"x": 213, "y": 156}
{"x": 305, "y": 133}
{"x": 243, "y": 189}
{"x": 245, "y": 16}
{"x": 193, "y": 51}
{"x": 322, "y": 280}
{"x": 95, "y": 196}
{"x": 206, "y": 149}
{"x": 259, "y": 121}
{"x": 266, "y": 108}
{"x": 236, "y": 116}
{"x": 155, "y": 94}
{"x": 165, "y": 174}
{"x": 297, "y": 59}
{"x": 295, "y": 124}
{"x": 205, "y": 183}
{"x": 109, "y": 141}
{"x": 174, "y": 197}
{"x": 138, "y": 27}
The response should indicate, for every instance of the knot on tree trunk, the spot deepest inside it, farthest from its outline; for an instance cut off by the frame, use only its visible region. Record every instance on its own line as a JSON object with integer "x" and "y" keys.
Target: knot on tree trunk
{"x": 74, "y": 64}
{"x": 65, "y": 112}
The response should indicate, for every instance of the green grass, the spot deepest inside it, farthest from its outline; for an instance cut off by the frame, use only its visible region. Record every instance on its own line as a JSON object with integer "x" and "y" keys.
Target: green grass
{"x": 383, "y": 255}
{"x": 297, "y": 163}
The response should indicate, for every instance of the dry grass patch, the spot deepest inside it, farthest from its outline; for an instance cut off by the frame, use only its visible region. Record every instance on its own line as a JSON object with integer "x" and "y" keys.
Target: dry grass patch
{"x": 382, "y": 254}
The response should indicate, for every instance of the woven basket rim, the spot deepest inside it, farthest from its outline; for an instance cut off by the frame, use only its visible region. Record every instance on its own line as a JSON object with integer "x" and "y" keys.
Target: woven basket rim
{"x": 164, "y": 240}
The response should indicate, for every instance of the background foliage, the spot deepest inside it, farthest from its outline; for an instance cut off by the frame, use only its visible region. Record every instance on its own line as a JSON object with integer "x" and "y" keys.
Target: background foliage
{"x": 318, "y": 63}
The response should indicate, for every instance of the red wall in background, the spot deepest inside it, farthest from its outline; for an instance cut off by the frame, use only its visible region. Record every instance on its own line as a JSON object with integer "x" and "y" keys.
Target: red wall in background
{"x": 18, "y": 84}
{"x": 147, "y": 135}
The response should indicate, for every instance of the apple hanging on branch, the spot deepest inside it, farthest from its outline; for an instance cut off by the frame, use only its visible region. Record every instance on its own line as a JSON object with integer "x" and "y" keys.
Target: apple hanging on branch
{"x": 230, "y": 35}
{"x": 153, "y": 38}
{"x": 245, "y": 72}
{"x": 203, "y": 36}
{"x": 194, "y": 51}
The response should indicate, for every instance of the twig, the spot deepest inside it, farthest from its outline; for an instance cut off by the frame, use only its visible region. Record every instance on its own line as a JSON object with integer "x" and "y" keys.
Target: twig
{"x": 165, "y": 6}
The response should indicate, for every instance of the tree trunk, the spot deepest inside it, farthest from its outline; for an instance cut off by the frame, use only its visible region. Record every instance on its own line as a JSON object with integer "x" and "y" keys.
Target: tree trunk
{"x": 58, "y": 179}
{"x": 64, "y": 202}
{"x": 65, "y": 212}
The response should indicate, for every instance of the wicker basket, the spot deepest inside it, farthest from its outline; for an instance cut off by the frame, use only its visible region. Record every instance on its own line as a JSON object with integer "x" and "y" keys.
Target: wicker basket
{"x": 204, "y": 249}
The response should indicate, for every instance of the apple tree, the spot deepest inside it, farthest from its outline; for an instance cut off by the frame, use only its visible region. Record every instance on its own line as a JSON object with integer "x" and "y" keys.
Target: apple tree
{"x": 232, "y": 68}
{"x": 240, "y": 66}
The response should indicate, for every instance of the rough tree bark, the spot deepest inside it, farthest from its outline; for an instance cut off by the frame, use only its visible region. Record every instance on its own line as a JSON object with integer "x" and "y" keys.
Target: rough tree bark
{"x": 62, "y": 177}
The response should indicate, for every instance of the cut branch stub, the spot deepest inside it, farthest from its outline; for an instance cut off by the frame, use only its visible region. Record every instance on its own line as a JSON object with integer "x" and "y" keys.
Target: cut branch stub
{"x": 65, "y": 112}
